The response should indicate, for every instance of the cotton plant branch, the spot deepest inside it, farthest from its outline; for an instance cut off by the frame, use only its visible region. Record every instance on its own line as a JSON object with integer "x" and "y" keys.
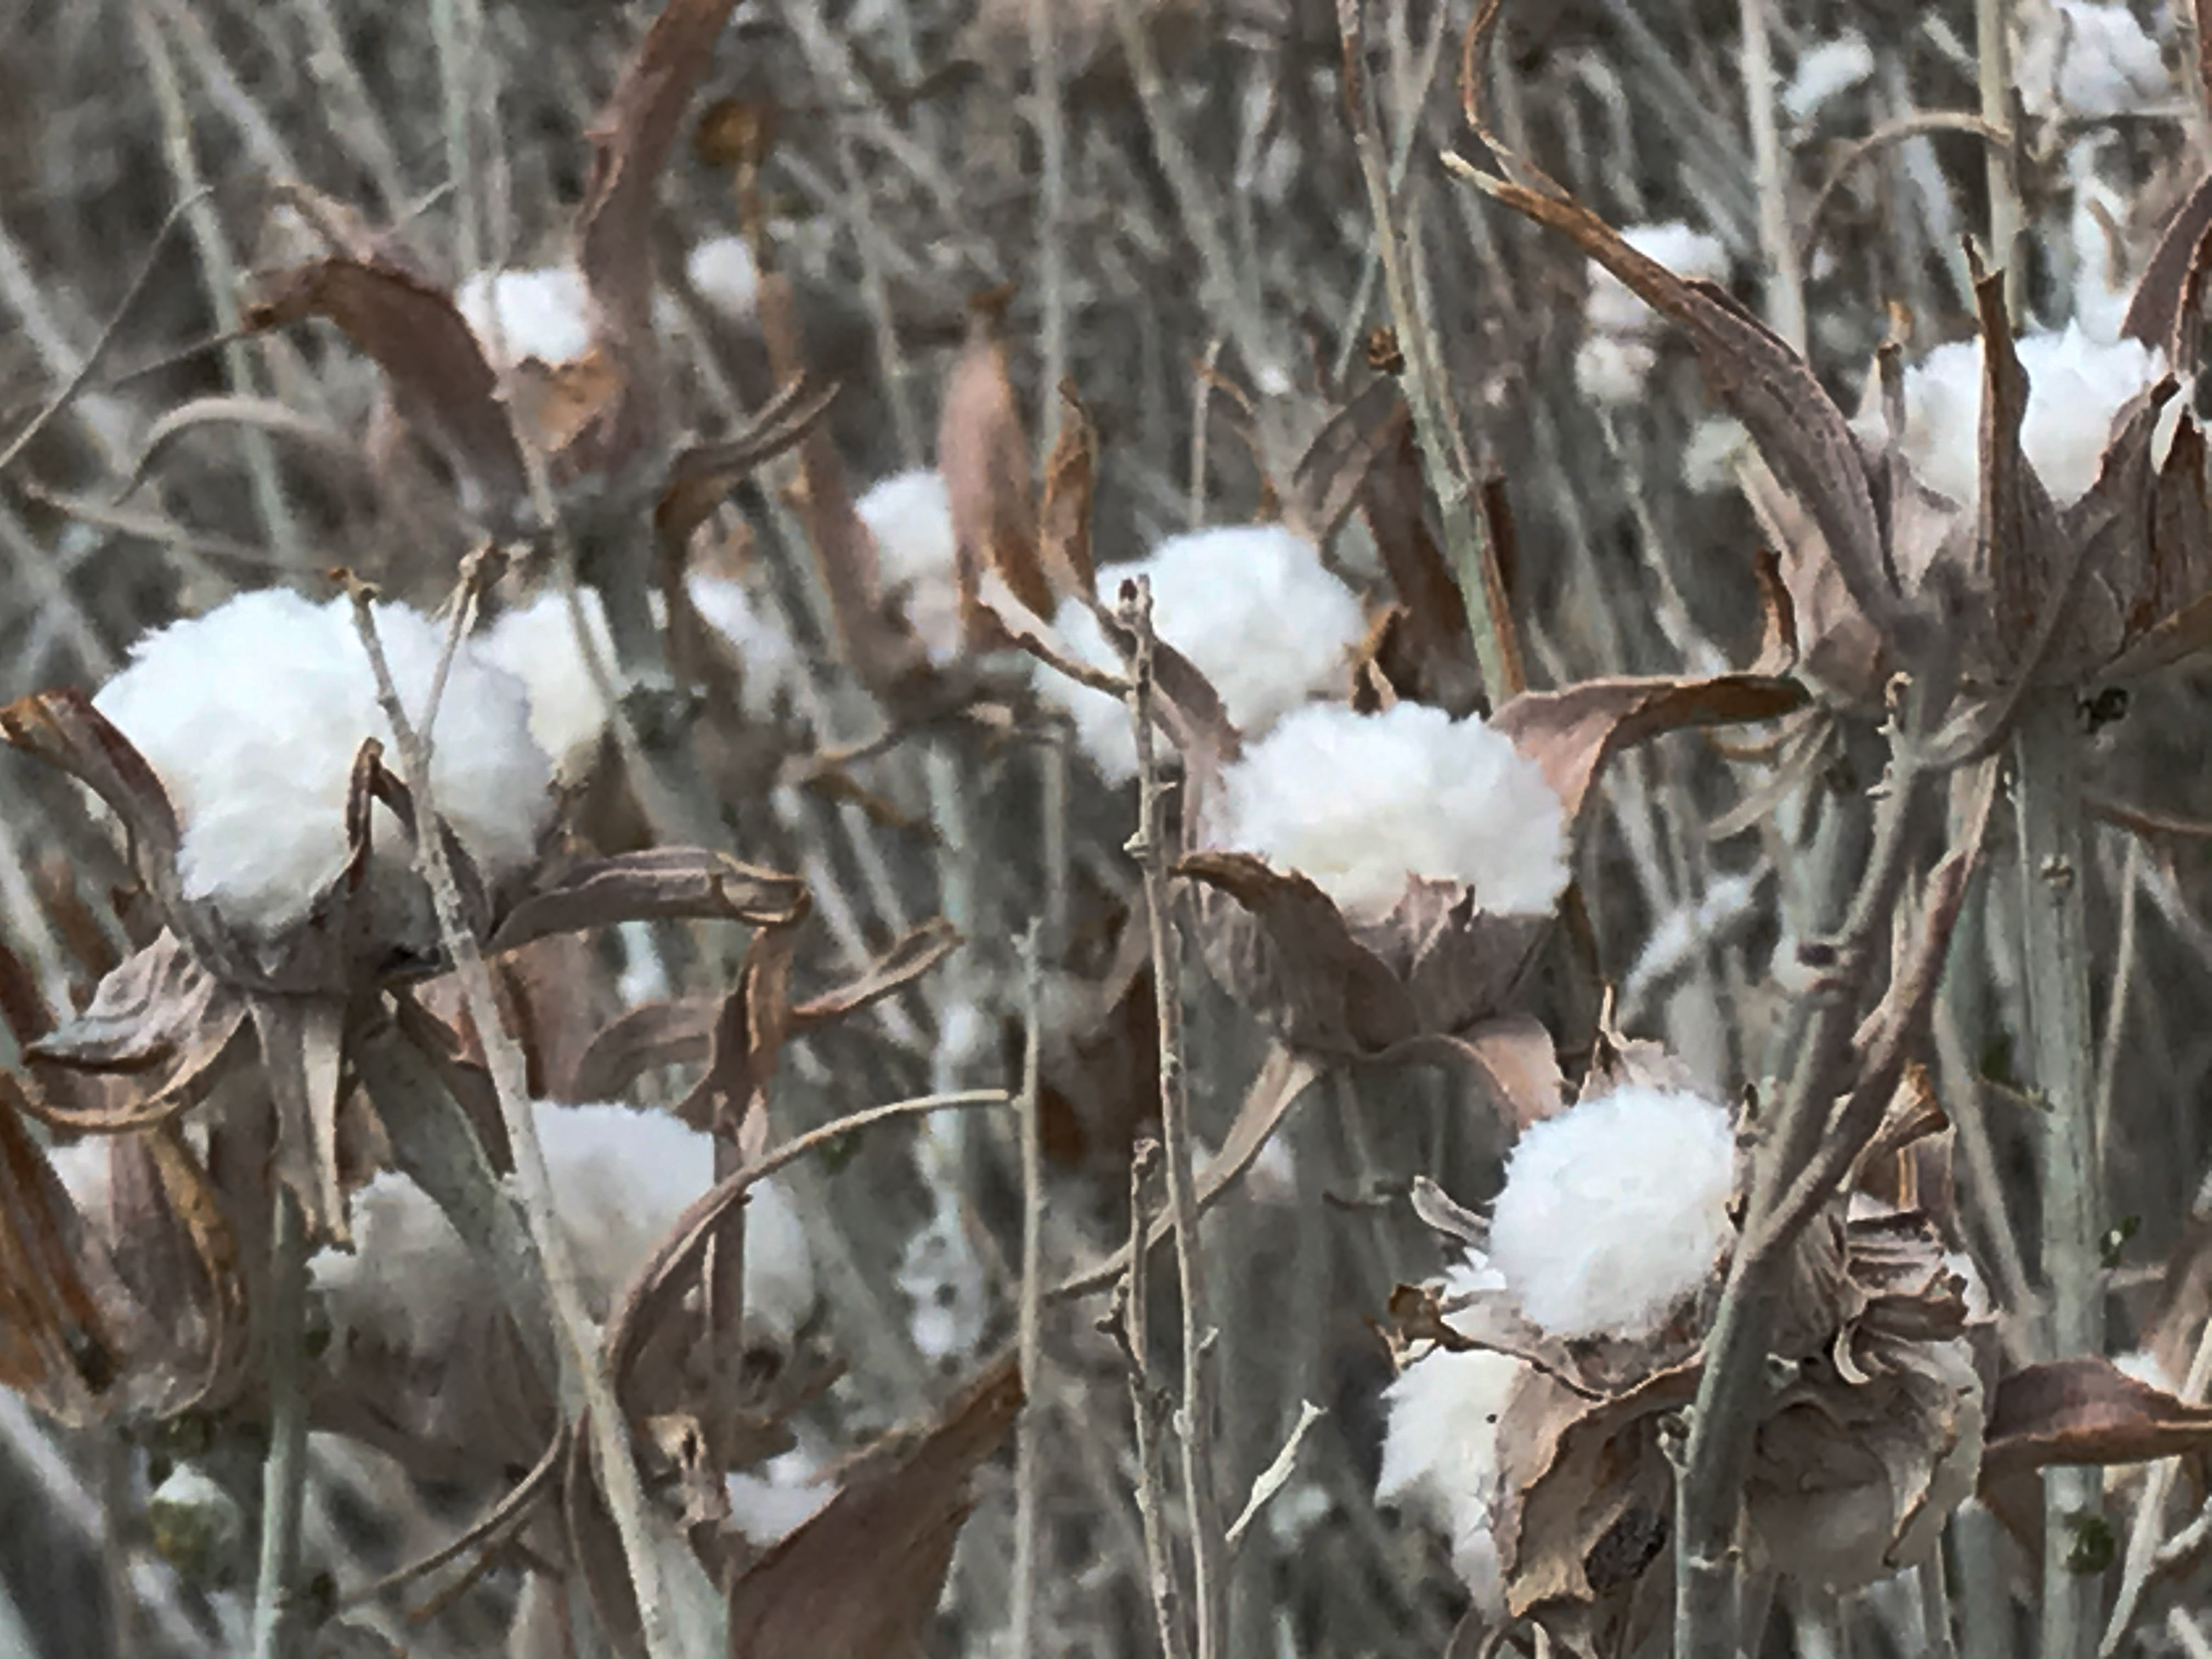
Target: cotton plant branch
{"x": 1029, "y": 1431}
{"x": 587, "y": 1384}
{"x": 1466, "y": 538}
{"x": 1277, "y": 1476}
{"x": 284, "y": 1470}
{"x": 1195, "y": 1416}
{"x": 1125, "y": 1323}
{"x": 1802, "y": 1159}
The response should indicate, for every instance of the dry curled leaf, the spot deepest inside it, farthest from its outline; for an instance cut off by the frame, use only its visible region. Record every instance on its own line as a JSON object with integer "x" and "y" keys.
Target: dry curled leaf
{"x": 984, "y": 455}
{"x": 2086, "y": 1410}
{"x": 665, "y": 883}
{"x": 864, "y": 1575}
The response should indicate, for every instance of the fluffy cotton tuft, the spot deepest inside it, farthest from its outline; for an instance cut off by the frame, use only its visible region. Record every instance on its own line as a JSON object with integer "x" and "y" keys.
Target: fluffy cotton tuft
{"x": 1825, "y": 71}
{"x": 620, "y": 1178}
{"x": 517, "y": 315}
{"x": 2076, "y": 387}
{"x": 1614, "y": 309}
{"x": 722, "y": 273}
{"x": 1615, "y": 1211}
{"x": 1252, "y": 606}
{"x": 769, "y": 663}
{"x": 910, "y": 516}
{"x": 252, "y": 716}
{"x": 537, "y": 643}
{"x": 2088, "y": 61}
{"x": 1440, "y": 1449}
{"x": 1360, "y": 803}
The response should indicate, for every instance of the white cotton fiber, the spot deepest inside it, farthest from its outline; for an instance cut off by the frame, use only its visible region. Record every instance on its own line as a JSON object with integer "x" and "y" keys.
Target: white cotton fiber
{"x": 252, "y": 716}
{"x": 537, "y": 643}
{"x": 1359, "y": 803}
{"x": 517, "y": 315}
{"x": 1824, "y": 70}
{"x": 2088, "y": 61}
{"x": 1440, "y": 1449}
{"x": 2075, "y": 388}
{"x": 1614, "y": 309}
{"x": 766, "y": 658}
{"x": 722, "y": 273}
{"x": 1254, "y": 609}
{"x": 909, "y": 514}
{"x": 621, "y": 1178}
{"x": 1615, "y": 1213}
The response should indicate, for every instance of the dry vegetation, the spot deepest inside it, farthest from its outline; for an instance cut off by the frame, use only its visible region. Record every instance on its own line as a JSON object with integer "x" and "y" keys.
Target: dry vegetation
{"x": 680, "y": 974}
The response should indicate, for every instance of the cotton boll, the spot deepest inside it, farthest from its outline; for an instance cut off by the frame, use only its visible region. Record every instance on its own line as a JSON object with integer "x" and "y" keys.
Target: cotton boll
{"x": 1615, "y": 1212}
{"x": 2088, "y": 61}
{"x": 1825, "y": 72}
{"x": 1440, "y": 1458}
{"x": 909, "y": 514}
{"x": 770, "y": 1507}
{"x": 1610, "y": 369}
{"x": 769, "y": 663}
{"x": 722, "y": 273}
{"x": 544, "y": 314}
{"x": 409, "y": 1283}
{"x": 1614, "y": 309}
{"x": 537, "y": 643}
{"x": 1254, "y": 609}
{"x": 252, "y": 716}
{"x": 2075, "y": 388}
{"x": 1359, "y": 803}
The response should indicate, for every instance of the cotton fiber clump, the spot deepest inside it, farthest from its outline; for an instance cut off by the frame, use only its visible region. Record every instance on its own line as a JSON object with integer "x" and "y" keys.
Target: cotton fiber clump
{"x": 2076, "y": 387}
{"x": 2087, "y": 61}
{"x": 517, "y": 315}
{"x": 766, "y": 658}
{"x": 1614, "y": 1212}
{"x": 909, "y": 514}
{"x": 252, "y": 716}
{"x": 537, "y": 643}
{"x": 621, "y": 1178}
{"x": 1440, "y": 1449}
{"x": 1619, "y": 350}
{"x": 1825, "y": 72}
{"x": 1252, "y": 606}
{"x": 1361, "y": 802}
{"x": 722, "y": 273}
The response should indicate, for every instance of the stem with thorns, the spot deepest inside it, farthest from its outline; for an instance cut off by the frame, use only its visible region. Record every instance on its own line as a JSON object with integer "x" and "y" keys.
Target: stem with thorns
{"x": 587, "y": 1383}
{"x": 1209, "y": 1584}
{"x": 2056, "y": 967}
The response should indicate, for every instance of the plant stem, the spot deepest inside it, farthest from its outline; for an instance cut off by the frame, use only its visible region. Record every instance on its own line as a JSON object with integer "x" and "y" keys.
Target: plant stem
{"x": 1993, "y": 55}
{"x": 1209, "y": 1582}
{"x": 2056, "y": 969}
{"x": 1785, "y": 283}
{"x": 284, "y": 1473}
{"x": 1028, "y": 1432}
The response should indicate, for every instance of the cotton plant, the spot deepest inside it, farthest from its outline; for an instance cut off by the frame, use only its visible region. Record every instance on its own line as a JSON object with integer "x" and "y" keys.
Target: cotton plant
{"x": 1573, "y": 1321}
{"x": 1251, "y": 606}
{"x": 2086, "y": 61}
{"x": 908, "y": 515}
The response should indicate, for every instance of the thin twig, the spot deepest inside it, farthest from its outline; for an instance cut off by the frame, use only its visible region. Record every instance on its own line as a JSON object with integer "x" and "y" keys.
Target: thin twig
{"x": 1784, "y": 282}
{"x": 1029, "y": 1441}
{"x": 1272, "y": 1479}
{"x": 1195, "y": 1418}
{"x": 1126, "y": 1322}
{"x": 588, "y": 1385}
{"x": 284, "y": 1471}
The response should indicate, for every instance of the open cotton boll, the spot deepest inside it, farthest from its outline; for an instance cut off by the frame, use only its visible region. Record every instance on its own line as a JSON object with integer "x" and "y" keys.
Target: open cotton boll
{"x": 722, "y": 273}
{"x": 2075, "y": 388}
{"x": 1614, "y": 1211}
{"x": 252, "y": 716}
{"x": 770, "y": 664}
{"x": 517, "y": 315}
{"x": 909, "y": 514}
{"x": 1440, "y": 1448}
{"x": 1251, "y": 605}
{"x": 2090, "y": 61}
{"x": 1614, "y": 309}
{"x": 1360, "y": 803}
{"x": 1825, "y": 72}
{"x": 537, "y": 643}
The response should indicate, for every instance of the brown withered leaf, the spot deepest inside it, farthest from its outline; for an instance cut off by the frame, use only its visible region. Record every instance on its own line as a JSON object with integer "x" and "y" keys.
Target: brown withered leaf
{"x": 756, "y": 1019}
{"x": 701, "y": 478}
{"x": 159, "y": 1017}
{"x": 631, "y": 140}
{"x": 62, "y": 729}
{"x": 664, "y": 883}
{"x": 54, "y": 1345}
{"x": 984, "y": 455}
{"x": 1512, "y": 1055}
{"x": 1572, "y": 733}
{"x": 1392, "y": 497}
{"x": 2160, "y": 302}
{"x": 864, "y": 1575}
{"x": 1064, "y": 521}
{"x": 2086, "y": 1410}
{"x": 440, "y": 382}
{"x": 302, "y": 1043}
